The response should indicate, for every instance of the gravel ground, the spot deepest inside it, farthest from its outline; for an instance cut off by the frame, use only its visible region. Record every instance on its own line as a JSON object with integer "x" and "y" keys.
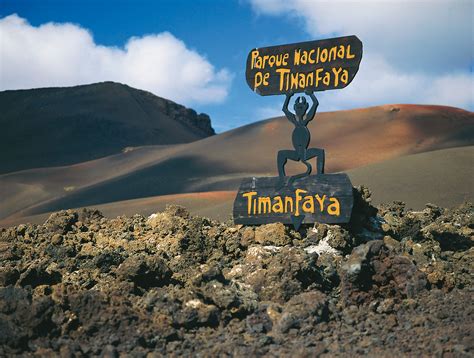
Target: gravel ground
{"x": 392, "y": 282}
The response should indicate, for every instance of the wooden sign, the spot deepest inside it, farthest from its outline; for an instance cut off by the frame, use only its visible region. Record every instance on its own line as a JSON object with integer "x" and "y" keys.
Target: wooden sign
{"x": 324, "y": 198}
{"x": 302, "y": 198}
{"x": 314, "y": 65}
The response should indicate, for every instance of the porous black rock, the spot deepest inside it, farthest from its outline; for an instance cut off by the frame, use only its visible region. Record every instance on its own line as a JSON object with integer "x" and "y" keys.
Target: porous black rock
{"x": 391, "y": 282}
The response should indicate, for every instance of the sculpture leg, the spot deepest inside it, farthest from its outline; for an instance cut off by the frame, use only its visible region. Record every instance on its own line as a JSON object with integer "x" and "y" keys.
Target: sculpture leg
{"x": 301, "y": 175}
{"x": 302, "y": 156}
{"x": 283, "y": 156}
{"x": 320, "y": 158}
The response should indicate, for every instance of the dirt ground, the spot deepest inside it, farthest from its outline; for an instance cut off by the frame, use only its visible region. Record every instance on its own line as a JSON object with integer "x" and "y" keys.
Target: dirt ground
{"x": 392, "y": 282}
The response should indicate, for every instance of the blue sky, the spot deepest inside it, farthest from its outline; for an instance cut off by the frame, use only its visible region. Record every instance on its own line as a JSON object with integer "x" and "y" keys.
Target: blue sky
{"x": 414, "y": 52}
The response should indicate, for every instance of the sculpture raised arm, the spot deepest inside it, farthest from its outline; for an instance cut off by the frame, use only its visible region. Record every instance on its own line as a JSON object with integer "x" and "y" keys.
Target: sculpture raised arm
{"x": 291, "y": 117}
{"x": 314, "y": 107}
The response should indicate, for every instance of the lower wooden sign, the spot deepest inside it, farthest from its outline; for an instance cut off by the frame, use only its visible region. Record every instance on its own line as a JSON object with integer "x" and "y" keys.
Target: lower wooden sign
{"x": 325, "y": 198}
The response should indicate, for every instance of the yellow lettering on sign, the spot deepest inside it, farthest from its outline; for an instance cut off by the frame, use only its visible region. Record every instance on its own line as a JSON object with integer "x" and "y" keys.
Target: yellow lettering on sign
{"x": 318, "y": 77}
{"x": 271, "y": 61}
{"x": 304, "y": 58}
{"x": 294, "y": 80}
{"x": 310, "y": 58}
{"x": 327, "y": 78}
{"x": 283, "y": 79}
{"x": 260, "y": 62}
{"x": 324, "y": 55}
{"x": 310, "y": 79}
{"x": 348, "y": 53}
{"x": 341, "y": 52}
{"x": 308, "y": 204}
{"x": 288, "y": 203}
{"x": 264, "y": 205}
{"x": 254, "y": 63}
{"x": 277, "y": 205}
{"x": 320, "y": 201}
{"x": 345, "y": 76}
{"x": 298, "y": 200}
{"x": 315, "y": 79}
{"x": 336, "y": 75}
{"x": 332, "y": 54}
{"x": 334, "y": 208}
{"x": 296, "y": 57}
{"x": 260, "y": 79}
{"x": 249, "y": 196}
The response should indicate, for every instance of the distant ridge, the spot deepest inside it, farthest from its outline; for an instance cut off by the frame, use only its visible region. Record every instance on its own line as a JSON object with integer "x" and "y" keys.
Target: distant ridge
{"x": 61, "y": 126}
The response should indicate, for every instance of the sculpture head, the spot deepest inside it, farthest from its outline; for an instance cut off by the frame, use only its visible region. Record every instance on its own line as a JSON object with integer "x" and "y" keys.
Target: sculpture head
{"x": 300, "y": 106}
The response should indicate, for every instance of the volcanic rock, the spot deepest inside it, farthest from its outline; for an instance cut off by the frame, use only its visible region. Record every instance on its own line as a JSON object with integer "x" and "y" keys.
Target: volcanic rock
{"x": 391, "y": 282}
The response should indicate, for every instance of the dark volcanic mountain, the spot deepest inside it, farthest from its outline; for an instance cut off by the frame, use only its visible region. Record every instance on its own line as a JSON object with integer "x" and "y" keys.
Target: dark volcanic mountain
{"x": 60, "y": 126}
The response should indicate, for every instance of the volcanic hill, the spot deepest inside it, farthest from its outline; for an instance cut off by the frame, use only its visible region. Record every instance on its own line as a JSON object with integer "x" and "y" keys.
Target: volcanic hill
{"x": 354, "y": 141}
{"x": 48, "y": 127}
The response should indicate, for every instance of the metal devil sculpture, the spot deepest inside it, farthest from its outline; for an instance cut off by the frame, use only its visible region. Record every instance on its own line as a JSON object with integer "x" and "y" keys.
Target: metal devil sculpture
{"x": 300, "y": 138}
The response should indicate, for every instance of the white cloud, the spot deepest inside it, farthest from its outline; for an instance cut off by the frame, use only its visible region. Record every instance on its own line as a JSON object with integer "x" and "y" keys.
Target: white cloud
{"x": 414, "y": 51}
{"x": 377, "y": 82}
{"x": 434, "y": 33}
{"x": 65, "y": 55}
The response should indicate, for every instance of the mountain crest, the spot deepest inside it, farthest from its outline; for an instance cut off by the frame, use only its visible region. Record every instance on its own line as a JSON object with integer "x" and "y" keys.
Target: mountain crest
{"x": 66, "y": 125}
